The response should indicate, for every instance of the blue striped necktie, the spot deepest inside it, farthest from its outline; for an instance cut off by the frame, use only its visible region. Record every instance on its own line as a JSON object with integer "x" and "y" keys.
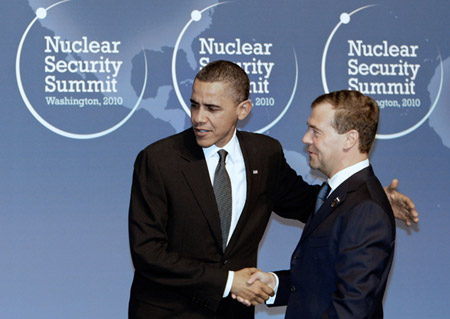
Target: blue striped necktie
{"x": 323, "y": 193}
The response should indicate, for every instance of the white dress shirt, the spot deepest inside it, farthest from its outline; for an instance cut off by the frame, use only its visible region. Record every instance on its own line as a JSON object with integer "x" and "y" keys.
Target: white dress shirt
{"x": 235, "y": 167}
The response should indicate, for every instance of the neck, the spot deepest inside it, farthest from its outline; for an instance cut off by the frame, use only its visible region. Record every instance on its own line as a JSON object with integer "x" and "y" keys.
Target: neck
{"x": 349, "y": 161}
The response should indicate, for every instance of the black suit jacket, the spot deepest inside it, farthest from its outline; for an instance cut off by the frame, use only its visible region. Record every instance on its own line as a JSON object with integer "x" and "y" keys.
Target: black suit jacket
{"x": 174, "y": 227}
{"x": 341, "y": 264}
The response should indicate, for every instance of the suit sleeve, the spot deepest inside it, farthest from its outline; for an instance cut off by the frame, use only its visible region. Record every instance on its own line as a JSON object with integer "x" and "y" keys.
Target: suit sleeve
{"x": 283, "y": 292}
{"x": 294, "y": 198}
{"x": 152, "y": 257}
{"x": 366, "y": 241}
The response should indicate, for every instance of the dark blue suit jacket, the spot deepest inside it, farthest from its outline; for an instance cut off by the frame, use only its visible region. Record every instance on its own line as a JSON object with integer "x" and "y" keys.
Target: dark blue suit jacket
{"x": 342, "y": 262}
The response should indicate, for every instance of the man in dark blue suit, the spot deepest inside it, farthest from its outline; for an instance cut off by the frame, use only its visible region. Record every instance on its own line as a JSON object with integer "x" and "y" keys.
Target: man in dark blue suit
{"x": 341, "y": 264}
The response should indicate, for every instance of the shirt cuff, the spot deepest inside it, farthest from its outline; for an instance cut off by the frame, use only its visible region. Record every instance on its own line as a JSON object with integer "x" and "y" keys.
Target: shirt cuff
{"x": 229, "y": 284}
{"x": 271, "y": 300}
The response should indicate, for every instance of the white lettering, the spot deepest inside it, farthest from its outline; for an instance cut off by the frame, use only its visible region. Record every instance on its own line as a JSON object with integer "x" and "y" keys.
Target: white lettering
{"x": 210, "y": 46}
{"x": 358, "y": 48}
{"x": 402, "y": 68}
{"x": 56, "y": 45}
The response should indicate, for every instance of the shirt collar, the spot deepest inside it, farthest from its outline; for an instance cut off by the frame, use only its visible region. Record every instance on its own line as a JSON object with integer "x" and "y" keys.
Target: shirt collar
{"x": 344, "y": 174}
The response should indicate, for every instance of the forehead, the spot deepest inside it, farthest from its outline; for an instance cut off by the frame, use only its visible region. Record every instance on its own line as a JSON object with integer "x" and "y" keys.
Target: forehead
{"x": 211, "y": 90}
{"x": 321, "y": 115}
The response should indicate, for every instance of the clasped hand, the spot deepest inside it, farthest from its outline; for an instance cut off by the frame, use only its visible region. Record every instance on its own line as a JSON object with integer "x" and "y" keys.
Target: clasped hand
{"x": 252, "y": 286}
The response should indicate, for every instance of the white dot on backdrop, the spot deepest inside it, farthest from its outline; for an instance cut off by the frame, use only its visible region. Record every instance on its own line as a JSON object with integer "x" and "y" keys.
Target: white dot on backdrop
{"x": 41, "y": 13}
{"x": 196, "y": 15}
{"x": 345, "y": 18}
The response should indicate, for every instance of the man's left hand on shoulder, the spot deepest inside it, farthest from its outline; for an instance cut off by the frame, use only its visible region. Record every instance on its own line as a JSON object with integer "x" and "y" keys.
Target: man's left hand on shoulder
{"x": 402, "y": 206}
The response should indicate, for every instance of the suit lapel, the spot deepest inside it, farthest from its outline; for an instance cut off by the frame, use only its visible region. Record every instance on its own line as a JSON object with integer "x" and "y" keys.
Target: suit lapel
{"x": 336, "y": 198}
{"x": 253, "y": 169}
{"x": 196, "y": 174}
{"x": 333, "y": 201}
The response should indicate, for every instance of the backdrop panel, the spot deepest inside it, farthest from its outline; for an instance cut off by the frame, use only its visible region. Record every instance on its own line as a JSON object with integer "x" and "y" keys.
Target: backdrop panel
{"x": 87, "y": 84}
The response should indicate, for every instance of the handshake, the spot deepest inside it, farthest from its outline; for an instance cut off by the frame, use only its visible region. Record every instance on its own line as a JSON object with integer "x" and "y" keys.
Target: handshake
{"x": 251, "y": 286}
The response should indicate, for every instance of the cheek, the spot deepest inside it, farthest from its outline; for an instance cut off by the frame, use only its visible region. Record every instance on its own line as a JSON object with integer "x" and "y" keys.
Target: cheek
{"x": 317, "y": 142}
{"x": 322, "y": 148}
{"x": 221, "y": 122}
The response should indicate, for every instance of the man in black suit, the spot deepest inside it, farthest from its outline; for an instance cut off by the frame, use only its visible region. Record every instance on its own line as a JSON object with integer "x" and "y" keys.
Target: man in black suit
{"x": 186, "y": 264}
{"x": 341, "y": 264}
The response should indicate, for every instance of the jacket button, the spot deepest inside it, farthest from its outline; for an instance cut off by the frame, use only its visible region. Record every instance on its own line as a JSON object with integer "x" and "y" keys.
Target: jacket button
{"x": 293, "y": 288}
{"x": 225, "y": 262}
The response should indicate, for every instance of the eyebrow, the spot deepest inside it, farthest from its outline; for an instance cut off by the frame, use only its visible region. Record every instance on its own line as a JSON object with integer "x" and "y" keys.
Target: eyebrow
{"x": 212, "y": 105}
{"x": 312, "y": 126}
{"x": 207, "y": 104}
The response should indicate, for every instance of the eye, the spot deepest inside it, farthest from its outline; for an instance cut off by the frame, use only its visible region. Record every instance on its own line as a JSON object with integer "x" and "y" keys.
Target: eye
{"x": 194, "y": 105}
{"x": 315, "y": 132}
{"x": 213, "y": 108}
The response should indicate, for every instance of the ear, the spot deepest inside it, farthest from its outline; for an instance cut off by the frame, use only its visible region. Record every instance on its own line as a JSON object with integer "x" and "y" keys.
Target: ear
{"x": 351, "y": 139}
{"x": 243, "y": 109}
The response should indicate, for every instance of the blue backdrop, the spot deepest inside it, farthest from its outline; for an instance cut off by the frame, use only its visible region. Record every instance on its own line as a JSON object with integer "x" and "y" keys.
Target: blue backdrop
{"x": 87, "y": 84}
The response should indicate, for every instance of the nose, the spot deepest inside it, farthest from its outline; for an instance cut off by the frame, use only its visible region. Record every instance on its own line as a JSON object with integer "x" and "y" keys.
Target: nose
{"x": 307, "y": 137}
{"x": 197, "y": 115}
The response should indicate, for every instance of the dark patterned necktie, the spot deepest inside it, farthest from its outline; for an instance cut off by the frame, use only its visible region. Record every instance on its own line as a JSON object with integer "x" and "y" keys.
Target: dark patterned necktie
{"x": 324, "y": 190}
{"x": 222, "y": 191}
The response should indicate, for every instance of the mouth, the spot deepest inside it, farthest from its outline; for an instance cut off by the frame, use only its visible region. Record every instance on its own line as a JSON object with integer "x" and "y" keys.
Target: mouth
{"x": 200, "y": 131}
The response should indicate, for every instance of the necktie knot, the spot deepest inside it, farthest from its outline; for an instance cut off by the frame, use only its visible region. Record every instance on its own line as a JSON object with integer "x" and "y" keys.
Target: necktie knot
{"x": 222, "y": 156}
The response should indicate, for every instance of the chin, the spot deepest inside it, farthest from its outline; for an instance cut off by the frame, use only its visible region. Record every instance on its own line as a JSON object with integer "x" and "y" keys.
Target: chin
{"x": 203, "y": 143}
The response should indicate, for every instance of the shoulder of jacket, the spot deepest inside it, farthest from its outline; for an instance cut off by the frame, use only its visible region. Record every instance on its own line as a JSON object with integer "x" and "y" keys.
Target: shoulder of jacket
{"x": 166, "y": 142}
{"x": 257, "y": 137}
